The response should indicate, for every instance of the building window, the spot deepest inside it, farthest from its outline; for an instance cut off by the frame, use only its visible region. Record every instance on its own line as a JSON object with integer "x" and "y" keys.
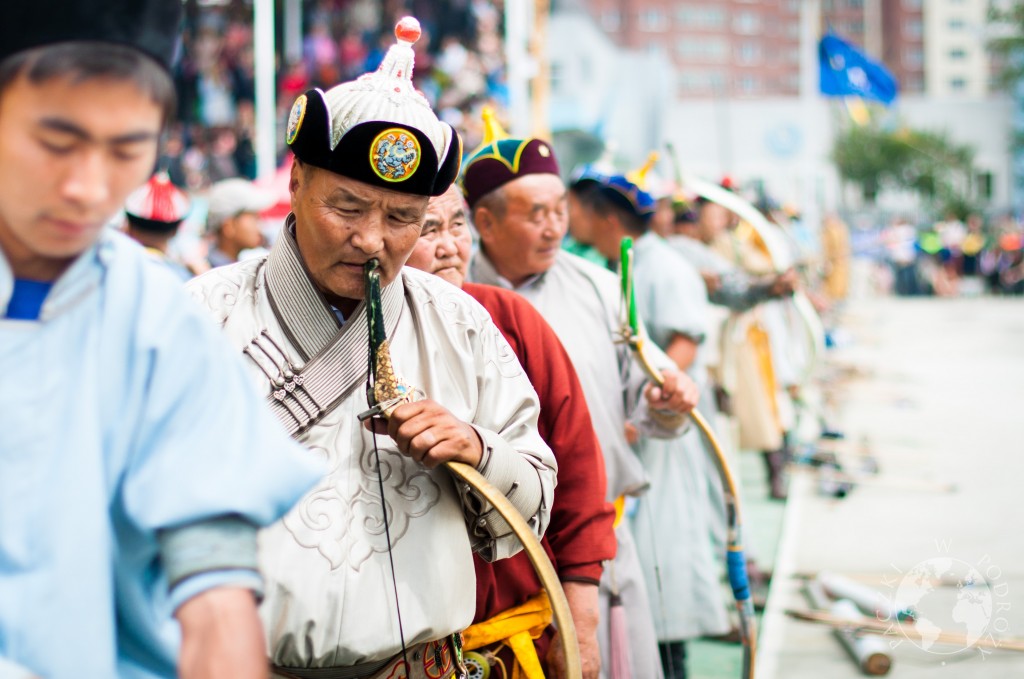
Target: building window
{"x": 749, "y": 53}
{"x": 748, "y": 84}
{"x": 611, "y": 20}
{"x": 957, "y": 24}
{"x": 913, "y": 57}
{"x": 855, "y": 4}
{"x": 655, "y": 49}
{"x": 984, "y": 181}
{"x": 700, "y": 16}
{"x": 652, "y": 20}
{"x": 912, "y": 4}
{"x": 958, "y": 84}
{"x": 747, "y": 23}
{"x": 557, "y": 76}
{"x": 913, "y": 28}
{"x": 709, "y": 50}
{"x": 958, "y": 54}
{"x": 706, "y": 82}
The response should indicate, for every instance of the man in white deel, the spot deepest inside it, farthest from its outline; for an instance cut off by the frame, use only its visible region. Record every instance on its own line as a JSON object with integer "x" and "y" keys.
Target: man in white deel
{"x": 369, "y": 154}
{"x": 520, "y": 209}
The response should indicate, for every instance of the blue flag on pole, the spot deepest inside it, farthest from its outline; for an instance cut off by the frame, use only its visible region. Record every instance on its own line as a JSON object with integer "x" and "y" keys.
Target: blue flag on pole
{"x": 846, "y": 72}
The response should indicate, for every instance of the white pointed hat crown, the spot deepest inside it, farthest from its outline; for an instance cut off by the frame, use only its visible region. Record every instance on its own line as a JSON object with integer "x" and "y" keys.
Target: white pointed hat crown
{"x": 388, "y": 94}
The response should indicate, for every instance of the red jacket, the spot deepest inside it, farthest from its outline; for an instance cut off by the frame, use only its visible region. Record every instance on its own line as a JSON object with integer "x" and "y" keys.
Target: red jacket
{"x": 580, "y": 535}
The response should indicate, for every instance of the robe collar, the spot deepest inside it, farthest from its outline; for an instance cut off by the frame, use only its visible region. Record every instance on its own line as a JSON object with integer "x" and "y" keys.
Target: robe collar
{"x": 306, "y": 316}
{"x": 482, "y": 270}
{"x": 82, "y": 277}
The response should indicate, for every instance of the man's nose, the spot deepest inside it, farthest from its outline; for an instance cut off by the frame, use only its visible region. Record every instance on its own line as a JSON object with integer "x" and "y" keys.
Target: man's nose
{"x": 445, "y": 244}
{"x": 87, "y": 181}
{"x": 368, "y": 237}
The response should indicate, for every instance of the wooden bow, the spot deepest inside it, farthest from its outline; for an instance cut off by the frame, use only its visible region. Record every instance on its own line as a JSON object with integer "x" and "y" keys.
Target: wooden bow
{"x": 387, "y": 392}
{"x": 735, "y": 561}
{"x": 774, "y": 242}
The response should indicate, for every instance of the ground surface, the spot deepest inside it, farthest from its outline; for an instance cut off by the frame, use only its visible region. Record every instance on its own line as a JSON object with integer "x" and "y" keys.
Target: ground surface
{"x": 936, "y": 396}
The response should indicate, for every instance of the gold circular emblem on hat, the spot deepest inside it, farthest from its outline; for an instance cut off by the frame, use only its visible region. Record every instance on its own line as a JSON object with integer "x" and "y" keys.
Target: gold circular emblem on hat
{"x": 295, "y": 118}
{"x": 543, "y": 151}
{"x": 395, "y": 154}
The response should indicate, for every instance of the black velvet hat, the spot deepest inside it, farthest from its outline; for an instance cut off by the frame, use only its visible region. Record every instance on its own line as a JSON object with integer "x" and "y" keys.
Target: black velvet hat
{"x": 150, "y": 26}
{"x": 378, "y": 129}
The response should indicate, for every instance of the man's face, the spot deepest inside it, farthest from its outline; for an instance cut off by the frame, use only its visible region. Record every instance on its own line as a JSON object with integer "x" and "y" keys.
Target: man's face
{"x": 608, "y": 233}
{"x": 445, "y": 242}
{"x": 664, "y": 215}
{"x": 342, "y": 223}
{"x": 714, "y": 220}
{"x": 70, "y": 153}
{"x": 243, "y": 230}
{"x": 581, "y": 217}
{"x": 525, "y": 240}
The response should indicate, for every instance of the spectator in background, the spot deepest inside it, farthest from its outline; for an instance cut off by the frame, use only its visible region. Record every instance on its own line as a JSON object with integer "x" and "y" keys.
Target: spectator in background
{"x": 971, "y": 252}
{"x": 900, "y": 244}
{"x": 233, "y": 219}
{"x": 153, "y": 214}
{"x": 459, "y": 67}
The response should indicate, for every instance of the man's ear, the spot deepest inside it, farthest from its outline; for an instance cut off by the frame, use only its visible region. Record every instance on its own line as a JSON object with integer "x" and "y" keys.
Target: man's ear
{"x": 227, "y": 229}
{"x": 483, "y": 220}
{"x": 295, "y": 180}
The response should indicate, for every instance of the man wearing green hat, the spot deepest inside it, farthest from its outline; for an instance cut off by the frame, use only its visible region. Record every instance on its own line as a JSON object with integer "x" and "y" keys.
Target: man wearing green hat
{"x": 519, "y": 207}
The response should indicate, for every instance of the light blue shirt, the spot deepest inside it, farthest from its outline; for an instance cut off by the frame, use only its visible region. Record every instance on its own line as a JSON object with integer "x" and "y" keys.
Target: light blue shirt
{"x": 123, "y": 412}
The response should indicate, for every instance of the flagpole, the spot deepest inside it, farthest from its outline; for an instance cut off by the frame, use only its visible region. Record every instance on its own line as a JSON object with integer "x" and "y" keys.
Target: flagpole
{"x": 517, "y": 65}
{"x": 266, "y": 119}
{"x": 810, "y": 22}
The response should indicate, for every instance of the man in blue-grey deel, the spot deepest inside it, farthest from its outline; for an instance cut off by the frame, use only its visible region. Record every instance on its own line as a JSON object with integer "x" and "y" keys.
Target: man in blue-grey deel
{"x": 136, "y": 463}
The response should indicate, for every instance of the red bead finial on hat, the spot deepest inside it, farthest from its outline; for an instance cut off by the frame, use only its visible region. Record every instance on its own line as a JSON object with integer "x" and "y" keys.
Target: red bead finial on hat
{"x": 408, "y": 30}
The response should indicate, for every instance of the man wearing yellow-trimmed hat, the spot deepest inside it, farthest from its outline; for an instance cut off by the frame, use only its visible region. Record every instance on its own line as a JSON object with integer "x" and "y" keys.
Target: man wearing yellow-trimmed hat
{"x": 372, "y": 575}
{"x": 519, "y": 207}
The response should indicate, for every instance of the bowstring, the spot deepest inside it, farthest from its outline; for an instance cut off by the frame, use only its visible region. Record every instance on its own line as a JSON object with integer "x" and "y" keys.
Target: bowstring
{"x": 371, "y": 376}
{"x": 630, "y": 335}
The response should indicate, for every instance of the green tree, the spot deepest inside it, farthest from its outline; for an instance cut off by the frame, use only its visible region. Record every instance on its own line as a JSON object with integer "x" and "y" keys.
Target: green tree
{"x": 1006, "y": 24}
{"x": 923, "y": 162}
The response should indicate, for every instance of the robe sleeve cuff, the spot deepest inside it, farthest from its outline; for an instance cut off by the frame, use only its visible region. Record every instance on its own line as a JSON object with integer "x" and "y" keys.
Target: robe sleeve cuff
{"x": 657, "y": 424}
{"x": 518, "y": 480}
{"x": 218, "y": 544}
{"x": 589, "y": 573}
{"x": 12, "y": 670}
{"x": 203, "y": 582}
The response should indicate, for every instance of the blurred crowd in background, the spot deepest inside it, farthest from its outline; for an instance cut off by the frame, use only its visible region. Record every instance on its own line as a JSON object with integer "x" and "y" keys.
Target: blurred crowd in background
{"x": 460, "y": 67}
{"x": 947, "y": 258}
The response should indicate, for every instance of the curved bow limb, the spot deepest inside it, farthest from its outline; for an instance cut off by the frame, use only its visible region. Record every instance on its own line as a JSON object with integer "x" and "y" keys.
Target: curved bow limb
{"x": 773, "y": 240}
{"x": 387, "y": 393}
{"x": 538, "y": 558}
{"x": 735, "y": 561}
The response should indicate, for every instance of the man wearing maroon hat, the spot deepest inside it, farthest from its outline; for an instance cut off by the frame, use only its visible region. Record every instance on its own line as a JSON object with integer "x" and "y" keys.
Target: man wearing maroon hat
{"x": 127, "y": 533}
{"x": 580, "y": 536}
{"x": 372, "y": 575}
{"x": 518, "y": 203}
